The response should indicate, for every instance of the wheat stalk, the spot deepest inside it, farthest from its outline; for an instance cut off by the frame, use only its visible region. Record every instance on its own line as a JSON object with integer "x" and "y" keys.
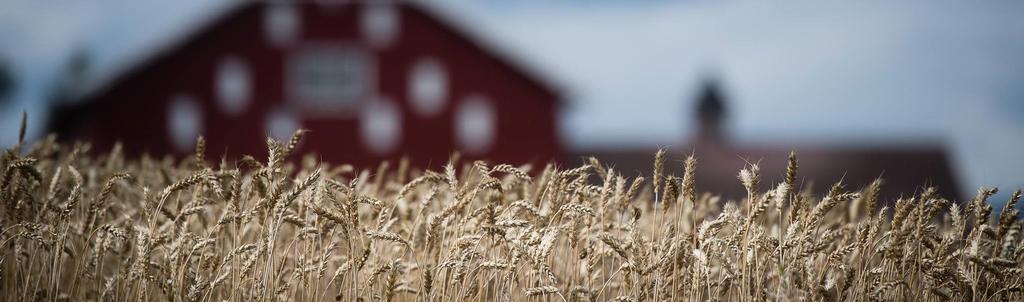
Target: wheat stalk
{"x": 83, "y": 226}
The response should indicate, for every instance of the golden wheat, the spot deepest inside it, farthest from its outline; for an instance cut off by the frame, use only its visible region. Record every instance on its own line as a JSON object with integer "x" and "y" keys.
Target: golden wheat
{"x": 78, "y": 226}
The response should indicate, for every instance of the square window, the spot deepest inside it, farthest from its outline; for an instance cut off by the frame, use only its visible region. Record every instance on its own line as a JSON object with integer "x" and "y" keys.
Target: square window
{"x": 335, "y": 77}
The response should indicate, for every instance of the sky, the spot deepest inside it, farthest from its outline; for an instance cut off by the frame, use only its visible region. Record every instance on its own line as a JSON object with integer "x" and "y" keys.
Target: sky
{"x": 797, "y": 73}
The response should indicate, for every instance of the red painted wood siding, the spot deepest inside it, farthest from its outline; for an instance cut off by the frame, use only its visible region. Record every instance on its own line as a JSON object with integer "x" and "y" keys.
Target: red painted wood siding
{"x": 133, "y": 109}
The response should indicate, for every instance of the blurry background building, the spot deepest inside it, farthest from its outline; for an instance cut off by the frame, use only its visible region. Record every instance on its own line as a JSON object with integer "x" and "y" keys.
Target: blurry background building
{"x": 904, "y": 167}
{"x": 373, "y": 81}
{"x": 857, "y": 89}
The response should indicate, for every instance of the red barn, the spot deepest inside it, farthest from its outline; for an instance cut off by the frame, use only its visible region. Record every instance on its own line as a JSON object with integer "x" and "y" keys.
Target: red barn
{"x": 372, "y": 80}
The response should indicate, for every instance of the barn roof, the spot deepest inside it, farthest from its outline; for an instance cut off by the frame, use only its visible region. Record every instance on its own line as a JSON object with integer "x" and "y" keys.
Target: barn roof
{"x": 904, "y": 169}
{"x": 453, "y": 21}
{"x": 476, "y": 33}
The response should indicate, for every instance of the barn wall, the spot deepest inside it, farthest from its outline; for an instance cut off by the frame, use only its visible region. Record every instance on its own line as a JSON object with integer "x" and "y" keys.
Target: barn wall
{"x": 133, "y": 109}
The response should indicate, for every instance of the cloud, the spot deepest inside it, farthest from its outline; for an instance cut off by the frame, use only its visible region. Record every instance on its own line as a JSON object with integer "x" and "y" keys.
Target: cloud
{"x": 821, "y": 72}
{"x": 39, "y": 37}
{"x": 807, "y": 71}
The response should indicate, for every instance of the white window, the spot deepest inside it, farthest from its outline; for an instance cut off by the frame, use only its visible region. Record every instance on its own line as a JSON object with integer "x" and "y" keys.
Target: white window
{"x": 281, "y": 123}
{"x": 184, "y": 122}
{"x": 281, "y": 23}
{"x": 381, "y": 125}
{"x": 475, "y": 124}
{"x": 379, "y": 23}
{"x": 234, "y": 85}
{"x": 330, "y": 77}
{"x": 428, "y": 86}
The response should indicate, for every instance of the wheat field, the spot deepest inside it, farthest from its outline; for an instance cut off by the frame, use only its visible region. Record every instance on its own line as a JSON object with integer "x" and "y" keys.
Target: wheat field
{"x": 83, "y": 225}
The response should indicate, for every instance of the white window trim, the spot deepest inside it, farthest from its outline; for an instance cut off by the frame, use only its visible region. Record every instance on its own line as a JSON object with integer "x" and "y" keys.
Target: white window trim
{"x": 233, "y": 107}
{"x": 372, "y": 36}
{"x": 465, "y": 140}
{"x": 428, "y": 105}
{"x": 382, "y": 143}
{"x": 281, "y": 114}
{"x": 282, "y": 39}
{"x": 351, "y": 109}
{"x": 191, "y": 102}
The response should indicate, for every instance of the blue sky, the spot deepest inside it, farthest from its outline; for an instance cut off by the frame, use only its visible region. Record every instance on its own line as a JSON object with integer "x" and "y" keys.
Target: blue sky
{"x": 799, "y": 73}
